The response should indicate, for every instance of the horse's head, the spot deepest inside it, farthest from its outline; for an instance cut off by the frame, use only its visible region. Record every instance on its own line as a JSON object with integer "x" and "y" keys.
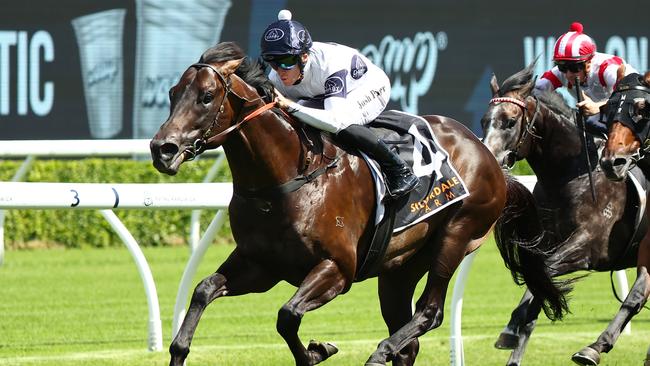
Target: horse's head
{"x": 205, "y": 104}
{"x": 508, "y": 122}
{"x": 628, "y": 121}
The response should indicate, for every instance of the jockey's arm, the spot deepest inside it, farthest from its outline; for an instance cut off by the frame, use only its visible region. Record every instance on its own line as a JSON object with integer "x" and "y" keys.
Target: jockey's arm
{"x": 550, "y": 80}
{"x": 338, "y": 113}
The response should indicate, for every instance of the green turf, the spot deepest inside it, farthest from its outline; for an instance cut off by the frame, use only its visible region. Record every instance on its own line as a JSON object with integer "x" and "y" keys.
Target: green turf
{"x": 87, "y": 307}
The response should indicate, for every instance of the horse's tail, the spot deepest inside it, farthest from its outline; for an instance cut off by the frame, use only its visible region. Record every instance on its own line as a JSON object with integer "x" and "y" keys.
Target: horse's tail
{"x": 520, "y": 238}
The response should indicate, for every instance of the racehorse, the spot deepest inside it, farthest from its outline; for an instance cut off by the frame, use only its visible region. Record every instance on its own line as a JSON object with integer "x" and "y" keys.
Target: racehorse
{"x": 302, "y": 211}
{"x": 582, "y": 233}
{"x": 628, "y": 120}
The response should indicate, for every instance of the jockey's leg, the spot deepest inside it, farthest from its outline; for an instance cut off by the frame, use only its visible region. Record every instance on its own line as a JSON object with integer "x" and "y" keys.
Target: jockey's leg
{"x": 399, "y": 177}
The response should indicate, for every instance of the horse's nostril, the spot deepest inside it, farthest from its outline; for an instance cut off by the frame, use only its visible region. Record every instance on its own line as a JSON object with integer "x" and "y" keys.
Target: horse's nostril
{"x": 168, "y": 150}
{"x": 620, "y": 161}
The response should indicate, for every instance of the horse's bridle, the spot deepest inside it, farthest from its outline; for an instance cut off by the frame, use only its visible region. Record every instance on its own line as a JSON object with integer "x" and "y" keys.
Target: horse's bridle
{"x": 200, "y": 144}
{"x": 528, "y": 130}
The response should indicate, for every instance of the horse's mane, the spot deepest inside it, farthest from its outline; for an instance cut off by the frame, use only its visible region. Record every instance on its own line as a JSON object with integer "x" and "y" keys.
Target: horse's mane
{"x": 522, "y": 82}
{"x": 251, "y": 72}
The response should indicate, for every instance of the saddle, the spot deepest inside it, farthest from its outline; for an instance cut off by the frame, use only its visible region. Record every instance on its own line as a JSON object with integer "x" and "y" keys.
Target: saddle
{"x": 440, "y": 184}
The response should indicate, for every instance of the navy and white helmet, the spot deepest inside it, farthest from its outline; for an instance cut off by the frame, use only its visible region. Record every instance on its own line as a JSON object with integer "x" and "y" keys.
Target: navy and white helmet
{"x": 285, "y": 37}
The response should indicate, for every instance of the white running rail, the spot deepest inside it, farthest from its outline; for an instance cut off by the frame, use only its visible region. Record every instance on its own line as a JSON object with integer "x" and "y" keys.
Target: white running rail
{"x": 31, "y": 149}
{"x": 107, "y": 197}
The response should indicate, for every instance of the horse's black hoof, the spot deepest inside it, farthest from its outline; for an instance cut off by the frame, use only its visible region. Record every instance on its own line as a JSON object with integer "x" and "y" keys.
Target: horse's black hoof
{"x": 586, "y": 357}
{"x": 325, "y": 349}
{"x": 506, "y": 341}
{"x": 375, "y": 360}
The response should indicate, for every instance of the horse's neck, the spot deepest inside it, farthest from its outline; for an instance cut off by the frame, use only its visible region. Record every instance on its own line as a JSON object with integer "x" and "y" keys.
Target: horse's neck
{"x": 555, "y": 153}
{"x": 265, "y": 152}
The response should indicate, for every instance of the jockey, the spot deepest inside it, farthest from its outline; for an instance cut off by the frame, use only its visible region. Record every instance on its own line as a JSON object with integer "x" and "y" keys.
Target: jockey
{"x": 336, "y": 89}
{"x": 598, "y": 73}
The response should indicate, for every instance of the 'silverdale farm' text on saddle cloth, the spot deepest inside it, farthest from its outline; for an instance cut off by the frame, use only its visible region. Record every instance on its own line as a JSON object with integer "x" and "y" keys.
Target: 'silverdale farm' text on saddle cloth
{"x": 440, "y": 184}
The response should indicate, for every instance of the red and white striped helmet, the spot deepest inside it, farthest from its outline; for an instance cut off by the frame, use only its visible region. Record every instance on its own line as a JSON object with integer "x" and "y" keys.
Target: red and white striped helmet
{"x": 574, "y": 45}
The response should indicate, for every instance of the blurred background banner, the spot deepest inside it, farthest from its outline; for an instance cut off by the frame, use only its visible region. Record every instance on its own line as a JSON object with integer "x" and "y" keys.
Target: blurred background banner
{"x": 78, "y": 69}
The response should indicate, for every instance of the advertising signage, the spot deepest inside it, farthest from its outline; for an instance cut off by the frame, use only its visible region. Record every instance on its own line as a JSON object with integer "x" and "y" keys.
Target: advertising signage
{"x": 77, "y": 69}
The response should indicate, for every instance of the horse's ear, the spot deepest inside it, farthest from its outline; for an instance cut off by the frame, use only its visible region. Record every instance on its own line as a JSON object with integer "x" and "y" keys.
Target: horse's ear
{"x": 494, "y": 85}
{"x": 527, "y": 89}
{"x": 229, "y": 67}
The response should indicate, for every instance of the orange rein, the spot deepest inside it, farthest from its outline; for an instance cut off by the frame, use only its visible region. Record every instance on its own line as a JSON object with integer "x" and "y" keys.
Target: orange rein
{"x": 238, "y": 125}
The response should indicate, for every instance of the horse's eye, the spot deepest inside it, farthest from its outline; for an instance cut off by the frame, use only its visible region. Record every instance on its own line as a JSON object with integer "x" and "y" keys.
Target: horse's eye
{"x": 207, "y": 98}
{"x": 510, "y": 122}
{"x": 171, "y": 93}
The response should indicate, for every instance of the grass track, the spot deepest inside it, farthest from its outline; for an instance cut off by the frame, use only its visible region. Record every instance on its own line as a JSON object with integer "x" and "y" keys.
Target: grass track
{"x": 87, "y": 307}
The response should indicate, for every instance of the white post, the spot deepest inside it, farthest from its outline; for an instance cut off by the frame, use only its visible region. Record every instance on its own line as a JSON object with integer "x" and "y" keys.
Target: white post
{"x": 622, "y": 290}
{"x": 456, "y": 352}
{"x": 195, "y": 224}
{"x": 22, "y": 171}
{"x": 190, "y": 270}
{"x": 155, "y": 325}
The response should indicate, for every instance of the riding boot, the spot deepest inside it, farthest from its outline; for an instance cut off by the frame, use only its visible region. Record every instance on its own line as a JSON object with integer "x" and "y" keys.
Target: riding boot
{"x": 399, "y": 177}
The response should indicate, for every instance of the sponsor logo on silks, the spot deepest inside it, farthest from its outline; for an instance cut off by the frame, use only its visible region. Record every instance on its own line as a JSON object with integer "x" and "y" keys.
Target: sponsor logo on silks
{"x": 335, "y": 84}
{"x": 273, "y": 34}
{"x": 358, "y": 67}
{"x": 302, "y": 36}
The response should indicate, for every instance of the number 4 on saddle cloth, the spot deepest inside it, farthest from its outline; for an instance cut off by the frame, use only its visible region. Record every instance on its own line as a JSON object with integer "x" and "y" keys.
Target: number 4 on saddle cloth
{"x": 440, "y": 184}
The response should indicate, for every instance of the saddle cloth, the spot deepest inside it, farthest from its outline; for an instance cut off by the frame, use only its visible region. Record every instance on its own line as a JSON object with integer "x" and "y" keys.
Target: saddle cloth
{"x": 440, "y": 184}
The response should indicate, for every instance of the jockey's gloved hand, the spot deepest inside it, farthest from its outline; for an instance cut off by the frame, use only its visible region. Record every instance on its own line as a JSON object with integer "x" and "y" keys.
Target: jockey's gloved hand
{"x": 281, "y": 101}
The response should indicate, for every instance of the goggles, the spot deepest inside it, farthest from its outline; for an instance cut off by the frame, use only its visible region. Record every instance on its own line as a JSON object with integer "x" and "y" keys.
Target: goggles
{"x": 284, "y": 62}
{"x": 574, "y": 67}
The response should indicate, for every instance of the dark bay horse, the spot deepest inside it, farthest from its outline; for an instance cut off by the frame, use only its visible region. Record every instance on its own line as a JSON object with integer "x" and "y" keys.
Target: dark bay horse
{"x": 581, "y": 234}
{"x": 302, "y": 211}
{"x": 628, "y": 124}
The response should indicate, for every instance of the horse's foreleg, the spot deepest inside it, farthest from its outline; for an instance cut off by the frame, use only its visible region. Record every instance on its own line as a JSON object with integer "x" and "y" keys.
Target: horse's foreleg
{"x": 236, "y": 276}
{"x": 633, "y": 303}
{"x": 322, "y": 284}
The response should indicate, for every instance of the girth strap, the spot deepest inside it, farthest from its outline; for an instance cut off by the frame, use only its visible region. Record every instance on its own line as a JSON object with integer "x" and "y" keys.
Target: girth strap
{"x": 287, "y": 187}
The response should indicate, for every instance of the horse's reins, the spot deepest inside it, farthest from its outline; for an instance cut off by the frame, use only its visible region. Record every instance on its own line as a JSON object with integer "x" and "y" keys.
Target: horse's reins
{"x": 530, "y": 125}
{"x": 200, "y": 144}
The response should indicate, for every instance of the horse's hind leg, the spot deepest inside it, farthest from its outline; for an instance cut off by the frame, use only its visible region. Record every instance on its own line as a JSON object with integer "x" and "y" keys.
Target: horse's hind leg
{"x": 450, "y": 248}
{"x": 509, "y": 337}
{"x": 633, "y": 303}
{"x": 322, "y": 284}
{"x": 396, "y": 296}
{"x": 528, "y": 321}
{"x": 236, "y": 276}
